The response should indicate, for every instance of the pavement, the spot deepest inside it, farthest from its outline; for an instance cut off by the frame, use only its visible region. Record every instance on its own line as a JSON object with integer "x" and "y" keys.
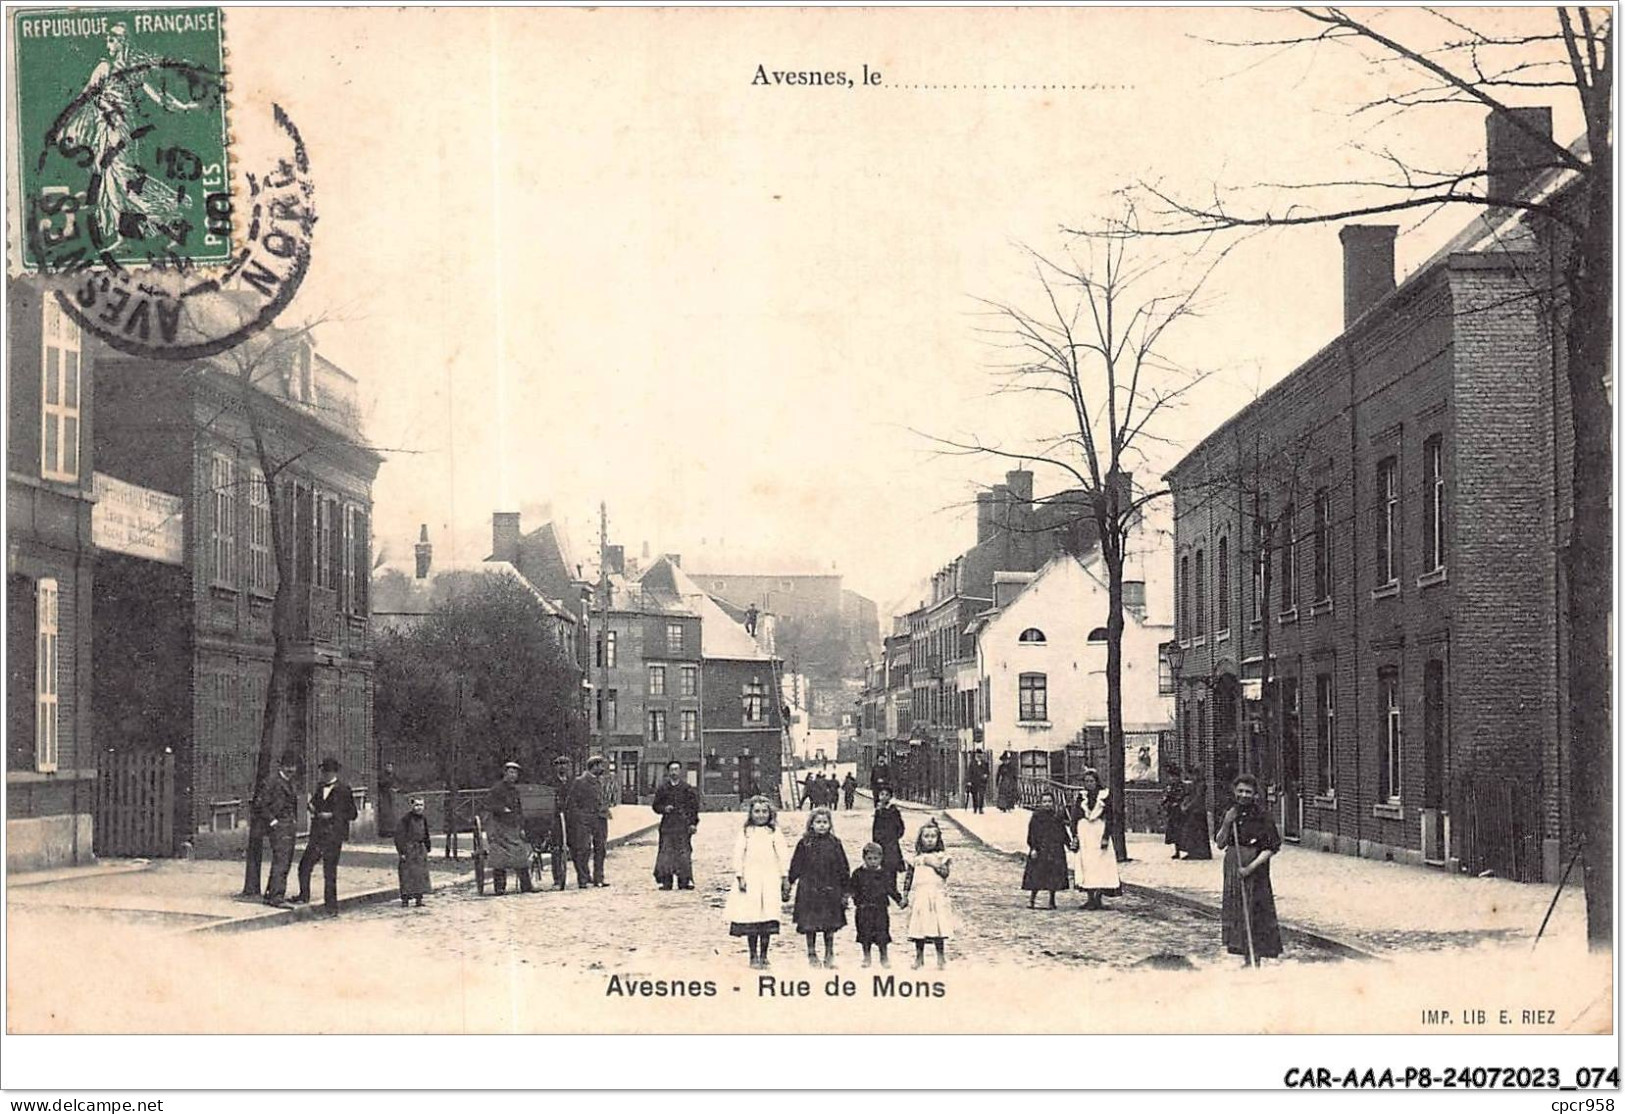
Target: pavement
{"x": 1370, "y": 905}
{"x": 204, "y": 894}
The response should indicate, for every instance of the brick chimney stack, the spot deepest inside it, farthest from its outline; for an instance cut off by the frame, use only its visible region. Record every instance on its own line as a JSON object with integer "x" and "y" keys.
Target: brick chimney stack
{"x": 505, "y": 536}
{"x": 1368, "y": 267}
{"x": 423, "y": 551}
{"x": 1514, "y": 156}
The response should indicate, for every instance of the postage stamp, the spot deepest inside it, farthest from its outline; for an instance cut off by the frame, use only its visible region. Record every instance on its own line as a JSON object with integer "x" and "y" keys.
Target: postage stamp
{"x": 122, "y": 137}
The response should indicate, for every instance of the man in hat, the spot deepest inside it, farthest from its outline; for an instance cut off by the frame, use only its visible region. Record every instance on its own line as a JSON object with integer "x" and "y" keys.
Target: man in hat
{"x": 386, "y": 801}
{"x": 559, "y": 858}
{"x": 587, "y": 809}
{"x": 332, "y": 807}
{"x": 277, "y": 806}
{"x": 678, "y": 804}
{"x": 506, "y": 847}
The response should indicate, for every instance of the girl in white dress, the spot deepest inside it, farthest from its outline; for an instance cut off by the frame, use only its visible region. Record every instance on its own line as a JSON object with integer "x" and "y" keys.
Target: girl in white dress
{"x": 1095, "y": 866}
{"x": 760, "y": 863}
{"x": 930, "y": 910}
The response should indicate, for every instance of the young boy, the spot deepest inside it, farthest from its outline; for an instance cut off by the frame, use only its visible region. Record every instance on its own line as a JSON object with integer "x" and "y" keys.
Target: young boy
{"x": 872, "y": 887}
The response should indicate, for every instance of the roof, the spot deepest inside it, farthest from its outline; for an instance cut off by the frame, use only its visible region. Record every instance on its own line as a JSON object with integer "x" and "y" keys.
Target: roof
{"x": 721, "y": 637}
{"x": 409, "y": 595}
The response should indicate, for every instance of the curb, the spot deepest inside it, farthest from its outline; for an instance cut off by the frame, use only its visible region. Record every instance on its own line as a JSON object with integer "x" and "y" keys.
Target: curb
{"x": 314, "y": 911}
{"x": 1341, "y": 948}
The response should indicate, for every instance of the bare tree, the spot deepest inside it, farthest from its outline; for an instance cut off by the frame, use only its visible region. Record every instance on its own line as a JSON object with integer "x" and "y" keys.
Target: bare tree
{"x": 1571, "y": 219}
{"x": 1097, "y": 351}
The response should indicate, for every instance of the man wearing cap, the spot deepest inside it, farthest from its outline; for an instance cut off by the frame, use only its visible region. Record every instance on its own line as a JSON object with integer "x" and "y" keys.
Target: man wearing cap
{"x": 587, "y": 809}
{"x": 506, "y": 847}
{"x": 277, "y": 806}
{"x": 678, "y": 804}
{"x": 559, "y": 856}
{"x": 332, "y": 807}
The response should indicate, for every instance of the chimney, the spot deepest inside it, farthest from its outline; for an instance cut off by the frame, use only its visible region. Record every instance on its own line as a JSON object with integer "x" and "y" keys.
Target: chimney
{"x": 505, "y": 536}
{"x": 1368, "y": 266}
{"x": 1514, "y": 156}
{"x": 423, "y": 551}
{"x": 676, "y": 559}
{"x": 1020, "y": 483}
{"x": 984, "y": 516}
{"x": 615, "y": 559}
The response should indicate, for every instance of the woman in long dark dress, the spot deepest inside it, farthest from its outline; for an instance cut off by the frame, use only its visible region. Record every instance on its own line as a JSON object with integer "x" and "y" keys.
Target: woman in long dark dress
{"x": 821, "y": 876}
{"x": 412, "y": 842}
{"x": 1172, "y": 817}
{"x": 888, "y": 832}
{"x": 1250, "y": 840}
{"x": 1049, "y": 837}
{"x": 1005, "y": 781}
{"x": 1193, "y": 839}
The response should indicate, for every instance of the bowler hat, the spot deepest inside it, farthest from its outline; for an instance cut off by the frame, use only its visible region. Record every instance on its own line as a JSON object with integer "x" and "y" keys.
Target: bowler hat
{"x": 562, "y": 760}
{"x": 511, "y": 766}
{"x": 330, "y": 765}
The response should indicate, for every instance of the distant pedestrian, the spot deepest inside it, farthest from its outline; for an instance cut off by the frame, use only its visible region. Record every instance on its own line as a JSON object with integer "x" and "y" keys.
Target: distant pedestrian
{"x": 677, "y": 803}
{"x": 760, "y": 864}
{"x": 558, "y": 856}
{"x": 808, "y": 794}
{"x": 880, "y": 777}
{"x": 819, "y": 873}
{"x": 385, "y": 808}
{"x": 1096, "y": 869}
{"x": 930, "y": 910}
{"x": 1250, "y": 840}
{"x": 1048, "y": 841}
{"x": 1193, "y": 837}
{"x": 412, "y": 843}
{"x": 278, "y": 807}
{"x": 872, "y": 886}
{"x": 849, "y": 787}
{"x": 1173, "y": 816}
{"x": 887, "y": 831}
{"x": 506, "y": 847}
{"x": 976, "y": 782}
{"x": 1007, "y": 781}
{"x": 332, "y": 808}
{"x": 587, "y": 811}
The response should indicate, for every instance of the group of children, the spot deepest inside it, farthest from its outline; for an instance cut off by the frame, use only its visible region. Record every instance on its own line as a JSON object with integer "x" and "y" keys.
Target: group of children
{"x": 819, "y": 876}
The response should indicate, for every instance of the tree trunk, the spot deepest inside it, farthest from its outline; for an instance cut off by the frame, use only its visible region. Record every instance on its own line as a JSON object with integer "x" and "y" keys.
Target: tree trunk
{"x": 1111, "y": 550}
{"x": 1590, "y": 552}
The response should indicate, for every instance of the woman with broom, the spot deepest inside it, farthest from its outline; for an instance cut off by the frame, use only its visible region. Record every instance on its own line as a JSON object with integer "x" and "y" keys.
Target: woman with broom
{"x": 1250, "y": 839}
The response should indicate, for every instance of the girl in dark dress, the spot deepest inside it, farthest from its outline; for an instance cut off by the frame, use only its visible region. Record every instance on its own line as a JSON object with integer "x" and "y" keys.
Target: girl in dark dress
{"x": 412, "y": 843}
{"x": 1193, "y": 811}
{"x": 1172, "y": 794}
{"x": 872, "y": 888}
{"x": 820, "y": 874}
{"x": 1250, "y": 840}
{"x": 888, "y": 832}
{"x": 1049, "y": 837}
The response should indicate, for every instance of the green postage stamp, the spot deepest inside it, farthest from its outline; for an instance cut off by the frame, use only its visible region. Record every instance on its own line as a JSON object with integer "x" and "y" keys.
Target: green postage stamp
{"x": 121, "y": 116}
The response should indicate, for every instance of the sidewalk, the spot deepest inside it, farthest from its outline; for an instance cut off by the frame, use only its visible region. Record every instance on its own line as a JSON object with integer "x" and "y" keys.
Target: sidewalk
{"x": 1376, "y": 906}
{"x": 202, "y": 894}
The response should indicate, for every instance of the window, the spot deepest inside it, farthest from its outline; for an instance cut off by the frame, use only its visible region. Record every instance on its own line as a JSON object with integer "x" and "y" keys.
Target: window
{"x": 1182, "y": 620}
{"x": 1259, "y": 557}
{"x": 1221, "y": 622}
{"x": 1200, "y": 614}
{"x": 657, "y": 726}
{"x": 1325, "y": 734}
{"x": 1099, "y": 634}
{"x": 59, "y": 410}
{"x": 1291, "y": 740}
{"x": 674, "y": 638}
{"x": 690, "y": 725}
{"x": 755, "y": 699}
{"x": 1387, "y": 521}
{"x": 657, "y": 680}
{"x": 1165, "y": 675}
{"x": 1034, "y": 697}
{"x": 1433, "y": 503}
{"x": 223, "y": 522}
{"x": 261, "y": 561}
{"x": 1323, "y": 545}
{"x": 608, "y": 710}
{"x": 606, "y": 650}
{"x": 325, "y": 548}
{"x": 45, "y": 688}
{"x": 361, "y": 561}
{"x": 1289, "y": 558}
{"x": 1391, "y": 741}
{"x": 690, "y": 681}
{"x": 1031, "y": 634}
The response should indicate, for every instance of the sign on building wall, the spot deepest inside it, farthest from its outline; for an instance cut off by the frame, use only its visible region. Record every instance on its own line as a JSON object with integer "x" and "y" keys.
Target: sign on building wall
{"x": 137, "y": 521}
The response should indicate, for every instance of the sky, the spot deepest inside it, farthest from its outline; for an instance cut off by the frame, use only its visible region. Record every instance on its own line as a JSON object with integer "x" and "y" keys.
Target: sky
{"x": 578, "y": 256}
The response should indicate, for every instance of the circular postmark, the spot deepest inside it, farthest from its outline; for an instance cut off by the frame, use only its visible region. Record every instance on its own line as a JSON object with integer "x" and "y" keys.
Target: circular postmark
{"x": 149, "y": 255}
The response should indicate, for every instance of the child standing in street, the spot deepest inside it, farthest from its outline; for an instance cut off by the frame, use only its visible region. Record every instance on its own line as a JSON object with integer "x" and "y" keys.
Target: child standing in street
{"x": 759, "y": 866}
{"x": 872, "y": 887}
{"x": 1048, "y": 841}
{"x": 820, "y": 873}
{"x": 930, "y": 910}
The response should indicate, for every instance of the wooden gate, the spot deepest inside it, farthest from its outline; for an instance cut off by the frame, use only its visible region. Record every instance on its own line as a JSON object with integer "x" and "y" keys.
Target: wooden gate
{"x": 1499, "y": 830}
{"x": 135, "y": 804}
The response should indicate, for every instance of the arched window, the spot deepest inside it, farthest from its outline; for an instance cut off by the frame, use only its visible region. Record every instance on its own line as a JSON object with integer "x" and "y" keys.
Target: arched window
{"x": 1032, "y": 634}
{"x": 1098, "y": 634}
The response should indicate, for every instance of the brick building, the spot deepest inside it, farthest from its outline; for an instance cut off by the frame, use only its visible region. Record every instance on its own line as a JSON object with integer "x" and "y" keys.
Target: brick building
{"x": 50, "y": 738}
{"x": 183, "y": 650}
{"x": 1370, "y": 606}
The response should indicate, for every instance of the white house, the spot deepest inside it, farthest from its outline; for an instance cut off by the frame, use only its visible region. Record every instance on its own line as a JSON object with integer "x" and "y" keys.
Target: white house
{"x": 1041, "y": 659}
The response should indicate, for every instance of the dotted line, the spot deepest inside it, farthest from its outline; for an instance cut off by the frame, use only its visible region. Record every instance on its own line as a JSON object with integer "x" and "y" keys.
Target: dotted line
{"x": 1032, "y": 88}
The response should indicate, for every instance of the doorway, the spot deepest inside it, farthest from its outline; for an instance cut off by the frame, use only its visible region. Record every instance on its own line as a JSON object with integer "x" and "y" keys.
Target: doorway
{"x": 747, "y": 776}
{"x": 628, "y": 769}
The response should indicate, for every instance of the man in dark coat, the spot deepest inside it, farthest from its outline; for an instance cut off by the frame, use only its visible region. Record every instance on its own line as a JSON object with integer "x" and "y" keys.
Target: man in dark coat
{"x": 678, "y": 805}
{"x": 1173, "y": 794}
{"x": 1250, "y": 839}
{"x": 976, "y": 781}
{"x": 505, "y": 841}
{"x": 879, "y": 775}
{"x": 386, "y": 801}
{"x": 888, "y": 832}
{"x": 849, "y": 787}
{"x": 587, "y": 808}
{"x": 332, "y": 808}
{"x": 559, "y": 856}
{"x": 278, "y": 806}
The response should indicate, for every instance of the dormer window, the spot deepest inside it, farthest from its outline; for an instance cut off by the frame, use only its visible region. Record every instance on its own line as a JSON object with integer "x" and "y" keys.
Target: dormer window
{"x": 1032, "y": 634}
{"x": 1098, "y": 634}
